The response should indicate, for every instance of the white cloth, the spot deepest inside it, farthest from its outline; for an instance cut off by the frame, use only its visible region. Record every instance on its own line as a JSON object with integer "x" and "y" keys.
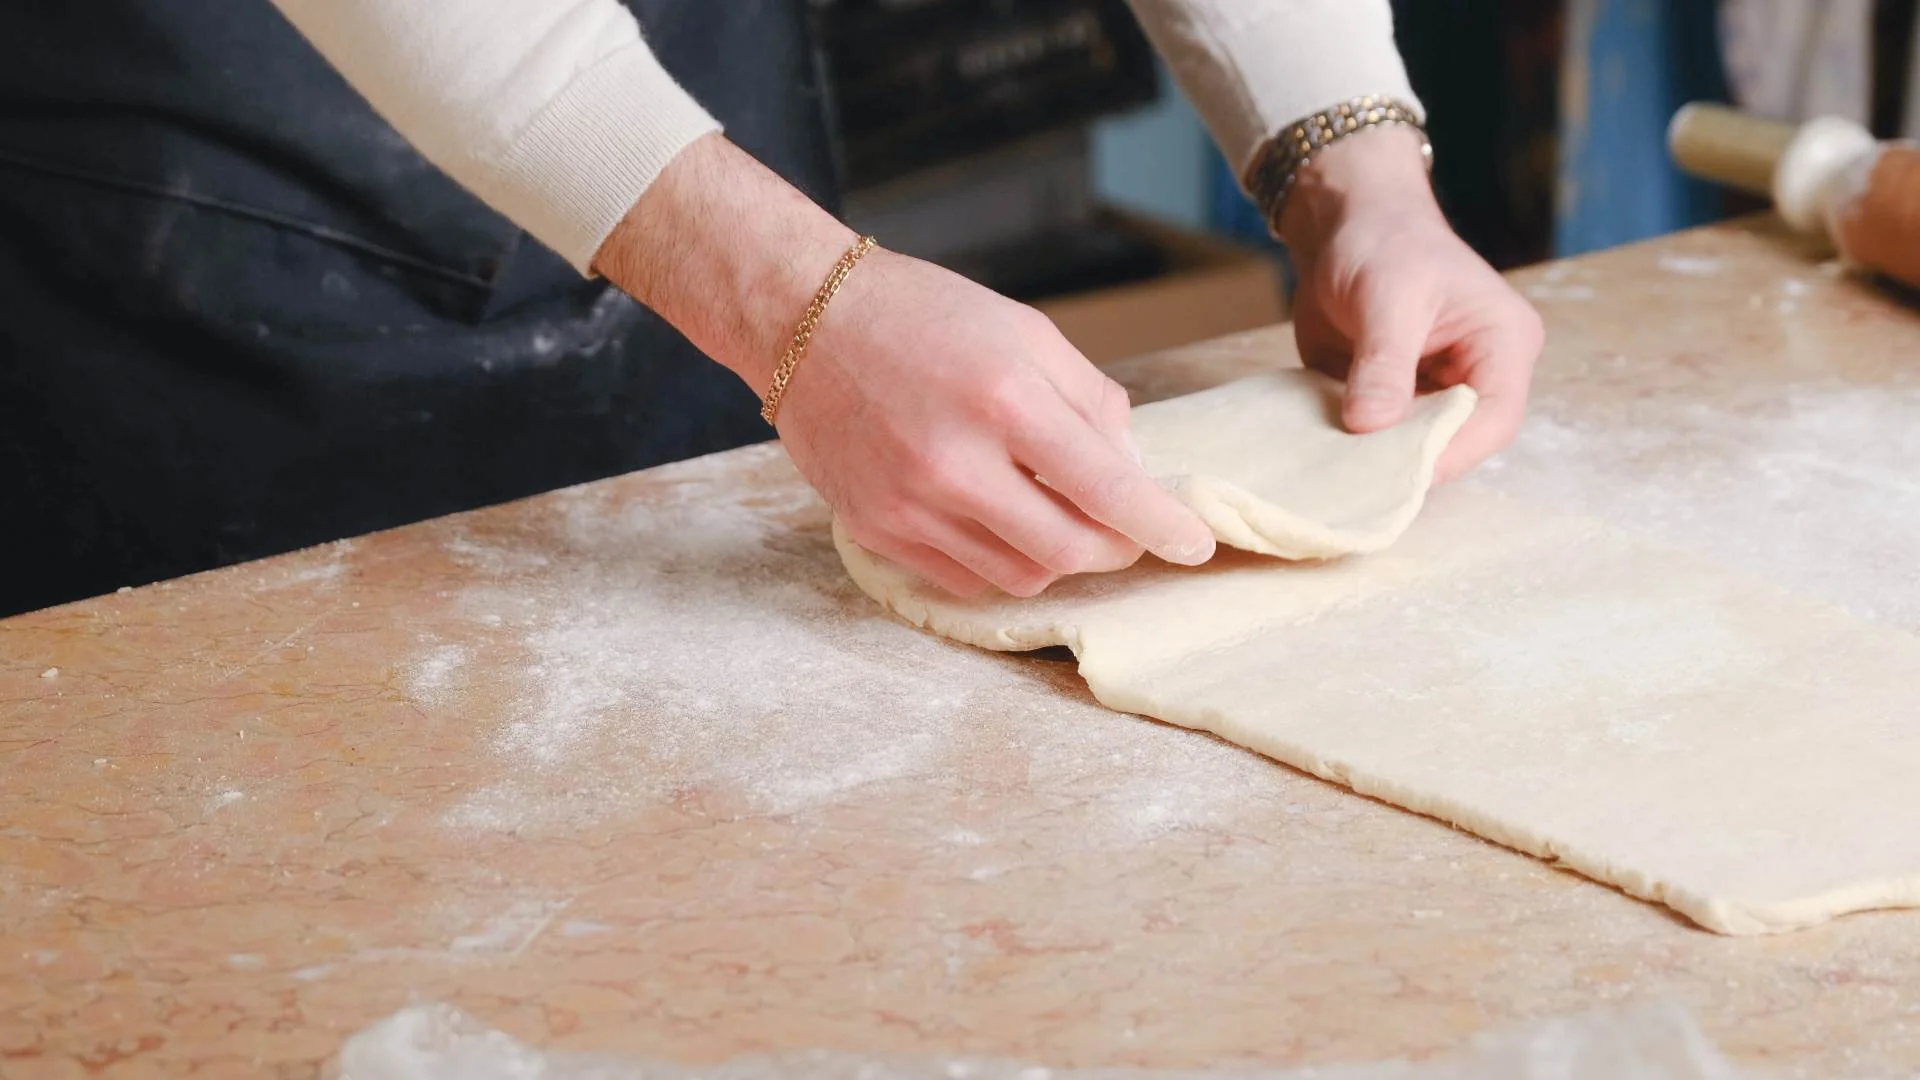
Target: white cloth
{"x": 1798, "y": 59}
{"x": 559, "y": 116}
{"x": 1251, "y": 67}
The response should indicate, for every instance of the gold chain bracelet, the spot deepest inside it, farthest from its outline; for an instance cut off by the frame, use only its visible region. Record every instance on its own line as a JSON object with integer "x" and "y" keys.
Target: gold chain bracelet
{"x": 1280, "y": 160}
{"x": 803, "y": 334}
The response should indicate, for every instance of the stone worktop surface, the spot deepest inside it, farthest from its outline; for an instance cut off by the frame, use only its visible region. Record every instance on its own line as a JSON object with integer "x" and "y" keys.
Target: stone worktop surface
{"x": 631, "y": 767}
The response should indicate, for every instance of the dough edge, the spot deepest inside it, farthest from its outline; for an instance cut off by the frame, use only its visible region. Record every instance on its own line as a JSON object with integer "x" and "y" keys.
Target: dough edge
{"x": 1240, "y": 519}
{"x": 1730, "y": 918}
{"x": 1727, "y": 917}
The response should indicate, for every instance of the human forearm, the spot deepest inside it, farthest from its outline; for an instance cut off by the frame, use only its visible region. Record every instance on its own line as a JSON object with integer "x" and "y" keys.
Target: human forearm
{"x": 727, "y": 252}
{"x": 555, "y": 113}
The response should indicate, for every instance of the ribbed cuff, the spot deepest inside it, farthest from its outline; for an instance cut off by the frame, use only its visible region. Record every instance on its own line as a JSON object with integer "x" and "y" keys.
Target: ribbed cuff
{"x": 576, "y": 170}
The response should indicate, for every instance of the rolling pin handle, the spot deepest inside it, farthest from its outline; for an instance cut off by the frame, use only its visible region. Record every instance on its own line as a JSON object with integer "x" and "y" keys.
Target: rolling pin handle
{"x": 1727, "y": 146}
{"x": 1811, "y": 170}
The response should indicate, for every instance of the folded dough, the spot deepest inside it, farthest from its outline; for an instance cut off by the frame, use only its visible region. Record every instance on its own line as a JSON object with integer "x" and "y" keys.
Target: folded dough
{"x": 1266, "y": 465}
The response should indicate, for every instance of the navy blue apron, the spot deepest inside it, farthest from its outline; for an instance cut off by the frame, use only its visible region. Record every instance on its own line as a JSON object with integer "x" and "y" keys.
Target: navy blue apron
{"x": 240, "y": 315}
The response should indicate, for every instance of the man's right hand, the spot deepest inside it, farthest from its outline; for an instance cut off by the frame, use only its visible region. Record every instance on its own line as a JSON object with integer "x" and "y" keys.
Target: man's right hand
{"x": 927, "y": 409}
{"x": 952, "y": 430}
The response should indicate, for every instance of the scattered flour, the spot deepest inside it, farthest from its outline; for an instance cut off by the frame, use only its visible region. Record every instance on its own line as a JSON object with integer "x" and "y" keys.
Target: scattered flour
{"x": 431, "y": 678}
{"x": 303, "y": 570}
{"x": 1650, "y": 1040}
{"x": 513, "y": 924}
{"x": 492, "y": 559}
{"x": 688, "y": 648}
{"x": 1692, "y": 265}
{"x": 1757, "y": 489}
{"x": 512, "y": 930}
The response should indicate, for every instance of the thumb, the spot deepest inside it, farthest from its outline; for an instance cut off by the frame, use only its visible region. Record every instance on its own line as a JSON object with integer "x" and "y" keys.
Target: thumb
{"x": 1386, "y": 361}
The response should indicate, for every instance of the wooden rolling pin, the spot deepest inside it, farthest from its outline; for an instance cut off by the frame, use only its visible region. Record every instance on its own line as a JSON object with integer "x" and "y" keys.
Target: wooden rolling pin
{"x": 1825, "y": 176}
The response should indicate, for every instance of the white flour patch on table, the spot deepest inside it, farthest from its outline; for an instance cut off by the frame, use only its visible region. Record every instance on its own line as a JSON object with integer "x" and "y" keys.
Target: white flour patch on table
{"x": 1813, "y": 487}
{"x": 323, "y": 566}
{"x": 433, "y": 677}
{"x": 1692, "y": 265}
{"x": 493, "y": 925}
{"x": 693, "y": 648}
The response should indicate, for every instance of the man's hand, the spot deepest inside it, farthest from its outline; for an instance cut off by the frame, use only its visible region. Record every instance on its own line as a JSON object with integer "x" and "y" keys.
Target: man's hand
{"x": 1392, "y": 301}
{"x": 952, "y": 430}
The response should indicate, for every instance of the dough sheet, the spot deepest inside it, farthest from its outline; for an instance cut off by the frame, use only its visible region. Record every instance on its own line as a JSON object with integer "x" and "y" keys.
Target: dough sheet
{"x": 1692, "y": 736}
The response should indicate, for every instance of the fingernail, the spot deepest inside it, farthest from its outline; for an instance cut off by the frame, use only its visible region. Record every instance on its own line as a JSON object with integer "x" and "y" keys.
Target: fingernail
{"x": 1191, "y": 554}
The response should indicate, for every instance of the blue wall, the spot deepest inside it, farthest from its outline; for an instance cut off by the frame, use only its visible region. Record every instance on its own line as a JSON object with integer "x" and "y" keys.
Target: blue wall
{"x": 1629, "y": 65}
{"x": 1158, "y": 159}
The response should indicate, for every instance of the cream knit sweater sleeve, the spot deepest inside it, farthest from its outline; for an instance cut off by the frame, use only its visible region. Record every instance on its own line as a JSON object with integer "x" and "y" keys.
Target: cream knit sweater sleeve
{"x": 554, "y": 112}
{"x": 1251, "y": 67}
{"x": 559, "y": 116}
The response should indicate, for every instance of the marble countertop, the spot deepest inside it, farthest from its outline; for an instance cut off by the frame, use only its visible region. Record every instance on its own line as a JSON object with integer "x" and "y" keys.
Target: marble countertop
{"x": 631, "y": 767}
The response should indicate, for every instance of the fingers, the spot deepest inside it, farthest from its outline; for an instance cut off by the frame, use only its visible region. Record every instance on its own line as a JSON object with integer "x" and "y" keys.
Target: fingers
{"x": 1044, "y": 527}
{"x": 1322, "y": 348}
{"x": 1081, "y": 445}
{"x": 930, "y": 564}
{"x": 990, "y": 558}
{"x": 1027, "y": 539}
{"x": 1010, "y": 467}
{"x": 1498, "y": 364}
{"x": 1386, "y": 361}
{"x": 1107, "y": 483}
{"x": 1110, "y": 411}
{"x": 1101, "y": 401}
{"x": 960, "y": 555}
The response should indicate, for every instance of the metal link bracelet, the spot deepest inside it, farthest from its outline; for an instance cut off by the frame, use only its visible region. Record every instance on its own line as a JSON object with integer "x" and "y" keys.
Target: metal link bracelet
{"x": 1279, "y": 161}
{"x": 803, "y": 334}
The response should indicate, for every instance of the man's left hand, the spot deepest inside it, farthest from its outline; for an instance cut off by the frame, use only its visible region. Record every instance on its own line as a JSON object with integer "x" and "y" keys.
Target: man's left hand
{"x": 1390, "y": 299}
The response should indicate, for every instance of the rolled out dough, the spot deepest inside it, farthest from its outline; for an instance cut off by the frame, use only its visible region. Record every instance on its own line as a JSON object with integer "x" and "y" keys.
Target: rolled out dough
{"x": 1640, "y": 716}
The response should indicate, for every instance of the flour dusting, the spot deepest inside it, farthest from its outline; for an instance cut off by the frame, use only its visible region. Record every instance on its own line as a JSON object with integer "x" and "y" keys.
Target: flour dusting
{"x": 1753, "y": 484}
{"x": 1692, "y": 265}
{"x": 690, "y": 647}
{"x": 434, "y": 675}
{"x": 323, "y": 567}
{"x": 512, "y": 930}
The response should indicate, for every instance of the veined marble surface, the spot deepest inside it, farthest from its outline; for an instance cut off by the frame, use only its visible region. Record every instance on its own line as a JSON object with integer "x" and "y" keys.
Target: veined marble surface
{"x": 632, "y": 768}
